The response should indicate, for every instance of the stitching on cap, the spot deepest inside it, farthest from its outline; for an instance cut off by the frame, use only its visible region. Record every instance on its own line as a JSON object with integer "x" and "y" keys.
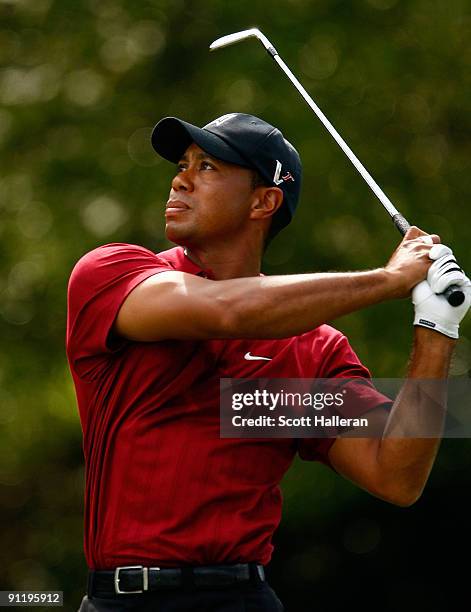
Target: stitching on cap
{"x": 259, "y": 145}
{"x": 231, "y": 146}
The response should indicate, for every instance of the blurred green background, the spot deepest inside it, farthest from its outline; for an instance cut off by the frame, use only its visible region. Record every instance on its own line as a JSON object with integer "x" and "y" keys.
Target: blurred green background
{"x": 82, "y": 82}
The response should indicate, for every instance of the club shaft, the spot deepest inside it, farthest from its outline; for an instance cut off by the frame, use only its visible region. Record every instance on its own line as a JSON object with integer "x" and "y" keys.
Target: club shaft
{"x": 373, "y": 185}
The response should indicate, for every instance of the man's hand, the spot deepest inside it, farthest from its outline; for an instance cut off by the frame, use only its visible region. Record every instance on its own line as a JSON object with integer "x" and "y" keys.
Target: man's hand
{"x": 445, "y": 270}
{"x": 434, "y": 311}
{"x": 410, "y": 262}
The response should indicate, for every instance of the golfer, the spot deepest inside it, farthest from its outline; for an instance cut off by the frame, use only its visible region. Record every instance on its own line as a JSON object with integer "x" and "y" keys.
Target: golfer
{"x": 177, "y": 518}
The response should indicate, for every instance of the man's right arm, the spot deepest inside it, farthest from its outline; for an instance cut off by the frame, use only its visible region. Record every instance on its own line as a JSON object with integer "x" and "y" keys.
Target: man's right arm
{"x": 176, "y": 305}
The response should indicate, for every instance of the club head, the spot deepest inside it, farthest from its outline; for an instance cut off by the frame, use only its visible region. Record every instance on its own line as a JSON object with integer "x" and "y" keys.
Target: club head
{"x": 231, "y": 39}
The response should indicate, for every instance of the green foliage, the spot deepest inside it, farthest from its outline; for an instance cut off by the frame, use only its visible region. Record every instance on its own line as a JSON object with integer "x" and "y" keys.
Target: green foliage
{"x": 82, "y": 83}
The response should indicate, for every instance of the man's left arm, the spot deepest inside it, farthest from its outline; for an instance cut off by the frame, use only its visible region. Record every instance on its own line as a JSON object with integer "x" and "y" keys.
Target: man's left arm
{"x": 394, "y": 468}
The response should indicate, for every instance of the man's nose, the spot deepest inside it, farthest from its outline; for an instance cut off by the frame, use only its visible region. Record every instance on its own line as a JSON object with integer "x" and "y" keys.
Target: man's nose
{"x": 183, "y": 181}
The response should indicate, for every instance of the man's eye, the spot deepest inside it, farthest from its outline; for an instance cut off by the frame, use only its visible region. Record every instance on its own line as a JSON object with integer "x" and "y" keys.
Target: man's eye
{"x": 181, "y": 167}
{"x": 205, "y": 165}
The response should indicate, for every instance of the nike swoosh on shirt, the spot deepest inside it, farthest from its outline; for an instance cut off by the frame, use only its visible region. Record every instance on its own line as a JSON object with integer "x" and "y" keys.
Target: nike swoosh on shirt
{"x": 250, "y": 357}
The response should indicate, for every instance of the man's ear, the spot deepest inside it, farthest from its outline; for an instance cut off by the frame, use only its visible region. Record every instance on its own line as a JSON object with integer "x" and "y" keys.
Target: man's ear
{"x": 267, "y": 200}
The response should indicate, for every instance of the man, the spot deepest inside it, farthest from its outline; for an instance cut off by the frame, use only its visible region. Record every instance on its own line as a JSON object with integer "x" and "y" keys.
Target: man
{"x": 177, "y": 518}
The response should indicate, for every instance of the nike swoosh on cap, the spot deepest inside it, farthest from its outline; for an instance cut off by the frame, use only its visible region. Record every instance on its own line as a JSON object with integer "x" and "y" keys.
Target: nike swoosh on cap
{"x": 251, "y": 357}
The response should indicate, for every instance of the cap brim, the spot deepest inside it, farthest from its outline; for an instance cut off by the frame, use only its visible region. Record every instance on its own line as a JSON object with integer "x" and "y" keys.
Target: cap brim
{"x": 171, "y": 137}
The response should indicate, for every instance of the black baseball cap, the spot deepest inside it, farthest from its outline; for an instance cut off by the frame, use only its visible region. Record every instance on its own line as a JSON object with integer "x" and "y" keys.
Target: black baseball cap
{"x": 244, "y": 140}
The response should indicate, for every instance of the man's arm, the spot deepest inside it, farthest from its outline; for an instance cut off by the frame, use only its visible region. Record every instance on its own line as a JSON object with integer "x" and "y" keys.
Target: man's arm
{"x": 396, "y": 469}
{"x": 175, "y": 305}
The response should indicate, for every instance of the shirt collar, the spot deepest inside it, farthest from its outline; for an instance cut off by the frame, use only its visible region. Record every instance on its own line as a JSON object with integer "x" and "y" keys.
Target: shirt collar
{"x": 180, "y": 261}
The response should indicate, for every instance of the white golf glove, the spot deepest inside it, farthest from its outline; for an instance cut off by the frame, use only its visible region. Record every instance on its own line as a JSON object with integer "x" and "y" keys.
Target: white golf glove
{"x": 432, "y": 310}
{"x": 445, "y": 270}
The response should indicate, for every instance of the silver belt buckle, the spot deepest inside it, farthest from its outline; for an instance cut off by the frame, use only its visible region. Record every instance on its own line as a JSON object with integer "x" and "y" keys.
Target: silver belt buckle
{"x": 261, "y": 572}
{"x": 145, "y": 579}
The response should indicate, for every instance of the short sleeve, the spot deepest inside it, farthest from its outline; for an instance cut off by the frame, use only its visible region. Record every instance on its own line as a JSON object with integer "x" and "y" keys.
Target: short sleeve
{"x": 341, "y": 361}
{"x": 98, "y": 285}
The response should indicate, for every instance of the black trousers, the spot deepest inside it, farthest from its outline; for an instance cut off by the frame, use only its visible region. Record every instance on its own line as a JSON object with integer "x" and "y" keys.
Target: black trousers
{"x": 258, "y": 597}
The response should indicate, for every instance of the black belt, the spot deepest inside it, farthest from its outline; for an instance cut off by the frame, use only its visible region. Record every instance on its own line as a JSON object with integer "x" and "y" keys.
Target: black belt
{"x": 133, "y": 579}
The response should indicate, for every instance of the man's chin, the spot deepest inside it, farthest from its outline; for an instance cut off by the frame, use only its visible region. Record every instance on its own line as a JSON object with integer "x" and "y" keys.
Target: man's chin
{"x": 177, "y": 235}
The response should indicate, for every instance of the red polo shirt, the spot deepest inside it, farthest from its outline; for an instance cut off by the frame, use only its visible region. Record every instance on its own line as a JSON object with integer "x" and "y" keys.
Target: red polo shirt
{"x": 162, "y": 488}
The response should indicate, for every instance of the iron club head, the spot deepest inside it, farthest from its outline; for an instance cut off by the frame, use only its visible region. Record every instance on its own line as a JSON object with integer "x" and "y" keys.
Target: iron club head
{"x": 236, "y": 37}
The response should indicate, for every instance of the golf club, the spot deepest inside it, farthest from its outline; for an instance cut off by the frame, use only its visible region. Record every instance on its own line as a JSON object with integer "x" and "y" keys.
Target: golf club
{"x": 453, "y": 294}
